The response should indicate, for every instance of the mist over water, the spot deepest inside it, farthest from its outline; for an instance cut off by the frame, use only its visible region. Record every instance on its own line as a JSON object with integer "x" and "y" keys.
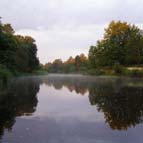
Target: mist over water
{"x": 71, "y": 109}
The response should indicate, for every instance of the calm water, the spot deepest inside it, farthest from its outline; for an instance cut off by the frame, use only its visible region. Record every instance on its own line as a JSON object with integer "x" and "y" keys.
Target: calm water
{"x": 71, "y": 109}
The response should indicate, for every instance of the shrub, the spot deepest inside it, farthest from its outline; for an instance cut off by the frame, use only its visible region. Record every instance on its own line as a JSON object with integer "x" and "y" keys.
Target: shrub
{"x": 96, "y": 71}
{"x": 118, "y": 69}
{"x": 4, "y": 73}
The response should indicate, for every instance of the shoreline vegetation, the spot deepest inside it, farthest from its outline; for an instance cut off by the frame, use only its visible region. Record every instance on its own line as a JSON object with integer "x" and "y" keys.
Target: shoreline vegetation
{"x": 118, "y": 53}
{"x": 18, "y": 54}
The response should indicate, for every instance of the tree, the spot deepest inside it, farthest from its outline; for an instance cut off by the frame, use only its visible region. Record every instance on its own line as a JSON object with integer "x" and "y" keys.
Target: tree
{"x": 56, "y": 66}
{"x": 69, "y": 65}
{"x": 134, "y": 47}
{"x": 71, "y": 60}
{"x": 122, "y": 44}
{"x": 17, "y": 52}
{"x": 26, "y": 54}
{"x": 8, "y": 45}
{"x": 7, "y": 28}
{"x": 77, "y": 63}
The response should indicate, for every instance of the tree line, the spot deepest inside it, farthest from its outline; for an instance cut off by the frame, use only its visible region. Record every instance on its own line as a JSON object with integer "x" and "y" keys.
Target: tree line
{"x": 77, "y": 64}
{"x": 17, "y": 52}
{"x": 121, "y": 46}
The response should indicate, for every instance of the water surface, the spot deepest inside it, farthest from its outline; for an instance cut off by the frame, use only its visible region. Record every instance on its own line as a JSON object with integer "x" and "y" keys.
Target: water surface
{"x": 71, "y": 109}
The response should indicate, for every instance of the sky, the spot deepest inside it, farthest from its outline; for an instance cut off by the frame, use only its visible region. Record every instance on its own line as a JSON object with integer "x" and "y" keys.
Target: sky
{"x": 64, "y": 28}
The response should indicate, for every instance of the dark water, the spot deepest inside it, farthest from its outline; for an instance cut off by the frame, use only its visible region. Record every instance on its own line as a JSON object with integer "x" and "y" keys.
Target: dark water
{"x": 71, "y": 109}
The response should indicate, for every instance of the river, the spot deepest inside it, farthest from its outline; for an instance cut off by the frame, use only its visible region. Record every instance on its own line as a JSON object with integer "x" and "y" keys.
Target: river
{"x": 71, "y": 109}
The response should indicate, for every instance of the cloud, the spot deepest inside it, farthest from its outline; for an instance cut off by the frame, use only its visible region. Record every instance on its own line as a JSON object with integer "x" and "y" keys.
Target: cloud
{"x": 48, "y": 13}
{"x": 67, "y": 27}
{"x": 62, "y": 42}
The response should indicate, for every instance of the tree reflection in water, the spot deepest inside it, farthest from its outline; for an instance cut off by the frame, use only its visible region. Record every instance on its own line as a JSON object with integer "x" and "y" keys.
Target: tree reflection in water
{"x": 18, "y": 99}
{"x": 123, "y": 108}
{"x": 120, "y": 99}
{"x": 72, "y": 83}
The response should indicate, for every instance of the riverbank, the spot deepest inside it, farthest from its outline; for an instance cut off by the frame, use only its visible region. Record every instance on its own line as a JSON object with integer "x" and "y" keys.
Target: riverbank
{"x": 117, "y": 71}
{"x": 6, "y": 74}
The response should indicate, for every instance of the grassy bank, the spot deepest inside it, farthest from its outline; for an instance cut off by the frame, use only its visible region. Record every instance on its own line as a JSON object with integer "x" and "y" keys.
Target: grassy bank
{"x": 6, "y": 74}
{"x": 117, "y": 70}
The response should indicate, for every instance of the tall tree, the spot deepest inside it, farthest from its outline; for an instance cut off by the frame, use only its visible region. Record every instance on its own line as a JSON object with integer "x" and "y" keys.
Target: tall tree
{"x": 17, "y": 52}
{"x": 122, "y": 44}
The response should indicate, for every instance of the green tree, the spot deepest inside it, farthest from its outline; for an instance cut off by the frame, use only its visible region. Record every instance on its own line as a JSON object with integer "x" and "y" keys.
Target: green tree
{"x": 77, "y": 63}
{"x": 8, "y": 45}
{"x": 56, "y": 66}
{"x": 122, "y": 44}
{"x": 17, "y": 52}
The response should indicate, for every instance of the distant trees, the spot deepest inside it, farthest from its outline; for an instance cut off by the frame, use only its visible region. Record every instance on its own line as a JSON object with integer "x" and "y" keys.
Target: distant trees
{"x": 69, "y": 65}
{"x": 72, "y": 65}
{"x": 122, "y": 44}
{"x": 17, "y": 52}
{"x": 56, "y": 66}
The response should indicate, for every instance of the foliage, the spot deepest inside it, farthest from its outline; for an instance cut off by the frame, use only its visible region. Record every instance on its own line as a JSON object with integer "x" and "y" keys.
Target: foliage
{"x": 118, "y": 69}
{"x": 17, "y": 53}
{"x": 96, "y": 71}
{"x": 4, "y": 75}
{"x": 132, "y": 73}
{"x": 72, "y": 65}
{"x": 122, "y": 44}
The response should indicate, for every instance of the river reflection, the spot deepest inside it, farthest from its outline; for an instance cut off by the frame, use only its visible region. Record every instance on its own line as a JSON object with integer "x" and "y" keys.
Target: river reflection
{"x": 119, "y": 100}
{"x": 17, "y": 99}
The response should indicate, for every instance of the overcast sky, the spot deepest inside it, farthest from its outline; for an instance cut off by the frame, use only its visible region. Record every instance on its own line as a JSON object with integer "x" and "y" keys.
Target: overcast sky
{"x": 67, "y": 27}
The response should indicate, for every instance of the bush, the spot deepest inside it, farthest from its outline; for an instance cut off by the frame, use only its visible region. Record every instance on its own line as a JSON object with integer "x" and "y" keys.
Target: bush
{"x": 118, "y": 69}
{"x": 4, "y": 73}
{"x": 133, "y": 73}
{"x": 96, "y": 72}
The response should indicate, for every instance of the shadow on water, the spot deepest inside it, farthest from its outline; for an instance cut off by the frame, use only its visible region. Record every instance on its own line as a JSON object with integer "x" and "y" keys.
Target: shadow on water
{"x": 120, "y": 99}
